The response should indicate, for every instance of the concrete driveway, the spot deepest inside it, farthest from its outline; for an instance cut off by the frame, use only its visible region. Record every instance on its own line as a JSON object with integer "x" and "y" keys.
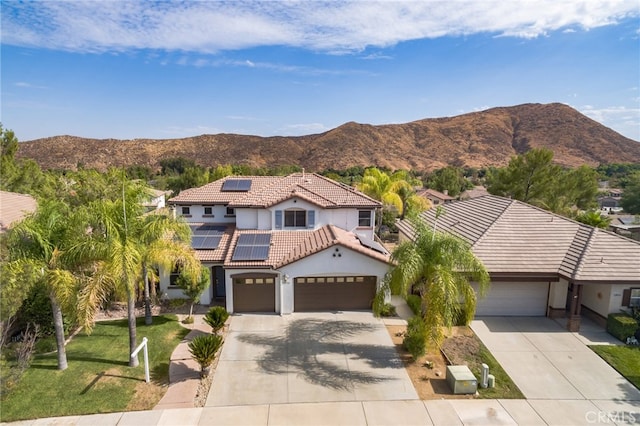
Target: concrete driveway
{"x": 317, "y": 357}
{"x": 548, "y": 362}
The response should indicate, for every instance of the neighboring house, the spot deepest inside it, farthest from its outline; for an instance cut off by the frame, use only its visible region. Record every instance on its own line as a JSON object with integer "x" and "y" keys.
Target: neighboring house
{"x": 436, "y": 197}
{"x": 475, "y": 192}
{"x": 629, "y": 226}
{"x": 609, "y": 199}
{"x": 542, "y": 264}
{"x": 157, "y": 200}
{"x": 14, "y": 207}
{"x": 301, "y": 242}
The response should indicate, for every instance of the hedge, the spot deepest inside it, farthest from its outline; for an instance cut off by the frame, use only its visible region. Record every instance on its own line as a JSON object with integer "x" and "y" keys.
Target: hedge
{"x": 621, "y": 325}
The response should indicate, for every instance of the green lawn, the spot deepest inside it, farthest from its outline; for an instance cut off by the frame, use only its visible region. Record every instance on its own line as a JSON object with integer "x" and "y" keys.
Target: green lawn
{"x": 504, "y": 386}
{"x": 98, "y": 379}
{"x": 625, "y": 359}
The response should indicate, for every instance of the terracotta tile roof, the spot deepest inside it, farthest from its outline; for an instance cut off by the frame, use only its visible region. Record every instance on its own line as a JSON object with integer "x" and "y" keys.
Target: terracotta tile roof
{"x": 14, "y": 207}
{"x": 290, "y": 246}
{"x": 428, "y": 192}
{"x": 220, "y": 253}
{"x": 212, "y": 193}
{"x": 266, "y": 191}
{"x": 514, "y": 238}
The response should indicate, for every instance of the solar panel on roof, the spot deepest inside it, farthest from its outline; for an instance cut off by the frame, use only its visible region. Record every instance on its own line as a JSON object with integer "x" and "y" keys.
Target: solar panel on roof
{"x": 238, "y": 185}
{"x": 205, "y": 243}
{"x": 252, "y": 247}
{"x": 373, "y": 245}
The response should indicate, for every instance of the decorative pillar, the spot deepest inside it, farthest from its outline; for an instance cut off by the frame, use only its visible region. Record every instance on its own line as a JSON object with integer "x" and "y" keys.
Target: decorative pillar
{"x": 573, "y": 322}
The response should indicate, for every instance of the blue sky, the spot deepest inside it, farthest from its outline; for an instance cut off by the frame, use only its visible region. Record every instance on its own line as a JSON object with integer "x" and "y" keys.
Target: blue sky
{"x": 127, "y": 70}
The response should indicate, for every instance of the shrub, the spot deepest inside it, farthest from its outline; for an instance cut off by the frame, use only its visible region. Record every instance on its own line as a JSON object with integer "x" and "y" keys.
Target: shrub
{"x": 203, "y": 349}
{"x": 415, "y": 339}
{"x": 188, "y": 320}
{"x": 216, "y": 317}
{"x": 621, "y": 325}
{"x": 388, "y": 310}
{"x": 415, "y": 304}
{"x": 46, "y": 345}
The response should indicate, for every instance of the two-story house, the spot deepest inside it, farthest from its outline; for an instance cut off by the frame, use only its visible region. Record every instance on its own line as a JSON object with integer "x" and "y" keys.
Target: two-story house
{"x": 301, "y": 242}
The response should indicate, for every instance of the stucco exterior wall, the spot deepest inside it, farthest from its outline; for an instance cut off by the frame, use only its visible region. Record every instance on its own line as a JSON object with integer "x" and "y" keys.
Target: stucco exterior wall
{"x": 558, "y": 294}
{"x": 196, "y": 214}
{"x": 603, "y": 298}
{"x": 345, "y": 263}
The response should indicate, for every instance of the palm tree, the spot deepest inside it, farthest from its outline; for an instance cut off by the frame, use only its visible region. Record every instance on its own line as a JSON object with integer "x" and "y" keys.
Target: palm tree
{"x": 37, "y": 254}
{"x": 128, "y": 242}
{"x": 394, "y": 190}
{"x": 440, "y": 267}
{"x": 166, "y": 242}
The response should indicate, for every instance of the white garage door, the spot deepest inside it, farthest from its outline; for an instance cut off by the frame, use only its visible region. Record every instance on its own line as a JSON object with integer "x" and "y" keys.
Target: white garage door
{"x": 514, "y": 299}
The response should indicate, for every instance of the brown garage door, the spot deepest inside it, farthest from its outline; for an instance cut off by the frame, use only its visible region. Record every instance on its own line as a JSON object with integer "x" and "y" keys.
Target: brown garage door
{"x": 254, "y": 294}
{"x": 333, "y": 293}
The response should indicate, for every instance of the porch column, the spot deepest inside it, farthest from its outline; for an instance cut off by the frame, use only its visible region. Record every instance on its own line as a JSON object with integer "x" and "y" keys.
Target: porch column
{"x": 573, "y": 321}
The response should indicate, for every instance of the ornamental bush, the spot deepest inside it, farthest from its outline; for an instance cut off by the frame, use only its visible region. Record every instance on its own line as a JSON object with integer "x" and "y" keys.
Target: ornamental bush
{"x": 621, "y": 325}
{"x": 216, "y": 317}
{"x": 203, "y": 349}
{"x": 415, "y": 304}
{"x": 415, "y": 339}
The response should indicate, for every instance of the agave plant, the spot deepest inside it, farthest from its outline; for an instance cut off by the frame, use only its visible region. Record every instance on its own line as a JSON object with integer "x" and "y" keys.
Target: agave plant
{"x": 216, "y": 317}
{"x": 203, "y": 350}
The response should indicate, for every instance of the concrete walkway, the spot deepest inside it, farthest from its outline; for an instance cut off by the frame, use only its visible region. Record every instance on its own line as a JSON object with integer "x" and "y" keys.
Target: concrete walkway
{"x": 184, "y": 371}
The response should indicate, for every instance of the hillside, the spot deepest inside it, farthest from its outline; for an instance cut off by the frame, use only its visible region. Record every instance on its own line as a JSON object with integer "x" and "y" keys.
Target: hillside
{"x": 479, "y": 139}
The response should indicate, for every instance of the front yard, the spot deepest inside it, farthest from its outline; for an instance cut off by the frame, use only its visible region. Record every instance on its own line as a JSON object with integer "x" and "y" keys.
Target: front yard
{"x": 98, "y": 379}
{"x": 625, "y": 359}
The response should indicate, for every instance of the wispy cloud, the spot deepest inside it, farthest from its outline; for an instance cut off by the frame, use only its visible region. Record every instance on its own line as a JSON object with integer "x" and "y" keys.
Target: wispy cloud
{"x": 25, "y": 85}
{"x": 334, "y": 27}
{"x": 619, "y": 117}
{"x": 303, "y": 129}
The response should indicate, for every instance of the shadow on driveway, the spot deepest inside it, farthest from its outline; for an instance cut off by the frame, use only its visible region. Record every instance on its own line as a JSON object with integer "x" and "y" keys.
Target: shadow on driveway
{"x": 308, "y": 344}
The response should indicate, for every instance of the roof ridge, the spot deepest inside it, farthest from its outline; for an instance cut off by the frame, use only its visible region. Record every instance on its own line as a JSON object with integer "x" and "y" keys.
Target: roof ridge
{"x": 582, "y": 248}
{"x": 510, "y": 204}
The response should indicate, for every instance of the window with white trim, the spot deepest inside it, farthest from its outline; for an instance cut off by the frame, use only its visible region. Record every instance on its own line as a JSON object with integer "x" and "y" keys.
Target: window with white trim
{"x": 186, "y": 211}
{"x": 208, "y": 210}
{"x": 364, "y": 218}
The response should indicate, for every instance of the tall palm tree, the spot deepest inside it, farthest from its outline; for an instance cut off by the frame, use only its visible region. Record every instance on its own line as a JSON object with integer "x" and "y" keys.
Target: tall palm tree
{"x": 440, "y": 267}
{"x": 127, "y": 242}
{"x": 166, "y": 243}
{"x": 37, "y": 254}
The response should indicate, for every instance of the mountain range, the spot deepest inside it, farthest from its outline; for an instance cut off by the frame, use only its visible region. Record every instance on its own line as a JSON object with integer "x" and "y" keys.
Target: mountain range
{"x": 478, "y": 139}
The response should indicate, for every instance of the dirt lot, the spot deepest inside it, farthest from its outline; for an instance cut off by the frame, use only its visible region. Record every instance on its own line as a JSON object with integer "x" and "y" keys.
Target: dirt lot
{"x": 430, "y": 383}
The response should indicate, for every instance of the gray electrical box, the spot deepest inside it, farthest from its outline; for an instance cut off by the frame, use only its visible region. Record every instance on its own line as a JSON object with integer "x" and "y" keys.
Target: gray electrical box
{"x": 461, "y": 380}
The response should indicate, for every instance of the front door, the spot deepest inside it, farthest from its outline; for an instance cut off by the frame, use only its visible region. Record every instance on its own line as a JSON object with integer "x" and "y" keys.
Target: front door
{"x": 219, "y": 283}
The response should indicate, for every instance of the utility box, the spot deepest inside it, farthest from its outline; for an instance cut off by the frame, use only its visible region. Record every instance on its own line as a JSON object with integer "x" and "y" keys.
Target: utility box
{"x": 461, "y": 380}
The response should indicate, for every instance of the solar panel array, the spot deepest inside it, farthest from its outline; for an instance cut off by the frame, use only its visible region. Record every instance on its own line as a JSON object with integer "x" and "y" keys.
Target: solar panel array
{"x": 206, "y": 237}
{"x": 252, "y": 247}
{"x": 237, "y": 185}
{"x": 373, "y": 245}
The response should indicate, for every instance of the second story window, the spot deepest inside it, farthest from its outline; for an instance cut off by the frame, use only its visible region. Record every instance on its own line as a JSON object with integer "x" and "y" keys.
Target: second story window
{"x": 208, "y": 211}
{"x": 364, "y": 218}
{"x": 295, "y": 218}
{"x": 230, "y": 211}
{"x": 186, "y": 211}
